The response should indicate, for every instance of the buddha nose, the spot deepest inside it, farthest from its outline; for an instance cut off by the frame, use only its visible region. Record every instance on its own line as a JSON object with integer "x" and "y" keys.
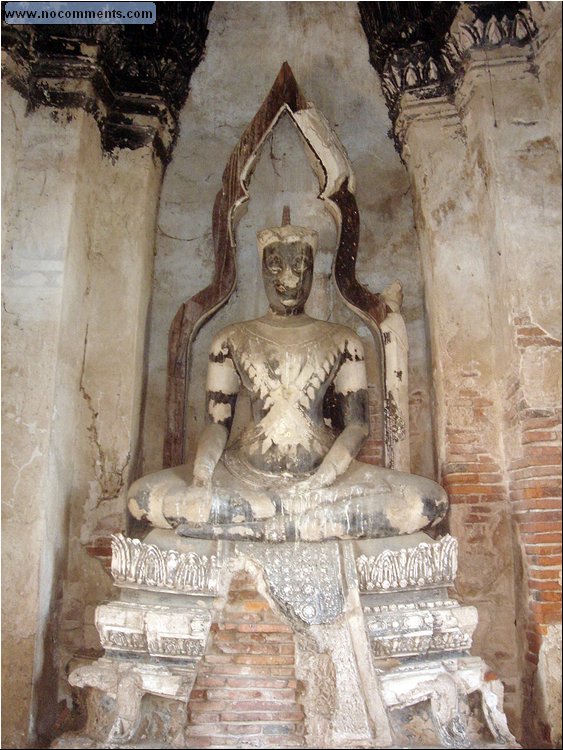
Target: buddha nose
{"x": 288, "y": 279}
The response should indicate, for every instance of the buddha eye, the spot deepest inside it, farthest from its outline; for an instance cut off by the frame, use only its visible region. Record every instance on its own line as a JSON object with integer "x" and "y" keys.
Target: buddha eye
{"x": 274, "y": 264}
{"x": 300, "y": 264}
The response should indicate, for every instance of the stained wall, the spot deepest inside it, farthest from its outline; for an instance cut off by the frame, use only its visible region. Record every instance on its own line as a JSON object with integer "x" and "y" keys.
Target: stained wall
{"x": 78, "y": 231}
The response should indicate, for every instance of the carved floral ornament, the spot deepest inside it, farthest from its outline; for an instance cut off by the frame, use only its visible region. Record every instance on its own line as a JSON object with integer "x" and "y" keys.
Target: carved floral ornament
{"x": 139, "y": 565}
{"x": 415, "y": 69}
{"x": 423, "y": 566}
{"x": 422, "y": 48}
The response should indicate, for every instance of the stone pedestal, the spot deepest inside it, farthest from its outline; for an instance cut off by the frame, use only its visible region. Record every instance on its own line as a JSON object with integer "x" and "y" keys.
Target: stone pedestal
{"x": 379, "y": 650}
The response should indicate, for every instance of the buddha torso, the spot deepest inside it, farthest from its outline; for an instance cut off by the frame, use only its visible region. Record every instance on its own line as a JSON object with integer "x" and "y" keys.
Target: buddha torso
{"x": 288, "y": 372}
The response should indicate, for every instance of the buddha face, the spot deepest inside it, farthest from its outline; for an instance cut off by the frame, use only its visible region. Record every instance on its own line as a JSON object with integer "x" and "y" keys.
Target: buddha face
{"x": 287, "y": 269}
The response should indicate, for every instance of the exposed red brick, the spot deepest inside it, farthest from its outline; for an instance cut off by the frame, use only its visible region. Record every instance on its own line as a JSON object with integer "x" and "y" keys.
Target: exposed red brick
{"x": 548, "y": 611}
{"x": 202, "y": 717}
{"x": 534, "y": 641}
{"x": 205, "y": 681}
{"x": 263, "y": 627}
{"x": 537, "y": 574}
{"x": 288, "y": 715}
{"x": 538, "y": 481}
{"x": 541, "y": 489}
{"x": 541, "y": 537}
{"x": 476, "y": 489}
{"x": 245, "y": 682}
{"x": 246, "y": 686}
{"x": 547, "y": 596}
{"x": 251, "y": 693}
{"x": 543, "y": 549}
{"x": 537, "y": 505}
{"x": 483, "y": 464}
{"x": 541, "y": 527}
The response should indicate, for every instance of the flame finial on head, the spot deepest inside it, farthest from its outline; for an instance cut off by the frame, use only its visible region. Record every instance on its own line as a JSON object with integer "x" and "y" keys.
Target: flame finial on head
{"x": 287, "y": 233}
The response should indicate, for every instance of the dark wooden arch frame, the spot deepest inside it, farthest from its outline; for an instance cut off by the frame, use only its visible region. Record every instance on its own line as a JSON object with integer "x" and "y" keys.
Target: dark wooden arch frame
{"x": 284, "y": 96}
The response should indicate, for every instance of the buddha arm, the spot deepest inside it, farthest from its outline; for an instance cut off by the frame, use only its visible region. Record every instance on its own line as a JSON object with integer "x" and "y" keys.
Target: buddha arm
{"x": 350, "y": 440}
{"x": 350, "y": 392}
{"x": 209, "y": 450}
{"x": 223, "y": 385}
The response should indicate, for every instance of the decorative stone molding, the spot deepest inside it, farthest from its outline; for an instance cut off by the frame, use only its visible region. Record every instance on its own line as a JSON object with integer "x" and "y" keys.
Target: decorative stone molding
{"x": 166, "y": 632}
{"x": 305, "y": 580}
{"x": 423, "y": 50}
{"x": 420, "y": 567}
{"x": 418, "y": 629}
{"x": 135, "y": 564}
{"x": 416, "y": 69}
{"x": 133, "y": 79}
{"x": 127, "y": 682}
{"x": 343, "y": 632}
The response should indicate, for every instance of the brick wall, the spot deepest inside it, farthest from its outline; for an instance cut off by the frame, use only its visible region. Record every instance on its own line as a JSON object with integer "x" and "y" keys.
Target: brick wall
{"x": 472, "y": 473}
{"x": 474, "y": 478}
{"x": 535, "y": 492}
{"x": 246, "y": 693}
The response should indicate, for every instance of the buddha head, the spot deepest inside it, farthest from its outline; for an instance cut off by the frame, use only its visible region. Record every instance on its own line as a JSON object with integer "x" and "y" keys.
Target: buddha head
{"x": 287, "y": 265}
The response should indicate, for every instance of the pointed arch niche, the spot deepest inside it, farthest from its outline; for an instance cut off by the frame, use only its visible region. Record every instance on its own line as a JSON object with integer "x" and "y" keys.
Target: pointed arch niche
{"x": 330, "y": 164}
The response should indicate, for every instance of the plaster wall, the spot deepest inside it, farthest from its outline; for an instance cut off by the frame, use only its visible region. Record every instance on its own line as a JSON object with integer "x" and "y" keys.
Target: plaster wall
{"x": 37, "y": 216}
{"x": 78, "y": 243}
{"x": 327, "y": 50}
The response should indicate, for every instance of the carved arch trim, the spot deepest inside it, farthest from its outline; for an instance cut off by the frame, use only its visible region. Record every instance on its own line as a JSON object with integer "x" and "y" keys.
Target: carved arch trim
{"x": 332, "y": 167}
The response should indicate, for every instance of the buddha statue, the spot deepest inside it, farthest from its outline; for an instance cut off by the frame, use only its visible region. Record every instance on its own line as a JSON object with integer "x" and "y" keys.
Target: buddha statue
{"x": 291, "y": 474}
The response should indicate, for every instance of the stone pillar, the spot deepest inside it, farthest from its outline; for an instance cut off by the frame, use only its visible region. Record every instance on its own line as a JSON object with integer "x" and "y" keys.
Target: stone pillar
{"x": 83, "y": 168}
{"x": 448, "y": 191}
{"x": 485, "y": 168}
{"x": 79, "y": 235}
{"x": 37, "y": 216}
{"x": 508, "y": 124}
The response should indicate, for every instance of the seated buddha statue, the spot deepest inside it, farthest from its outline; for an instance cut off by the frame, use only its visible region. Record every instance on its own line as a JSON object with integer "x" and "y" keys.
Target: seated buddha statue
{"x": 291, "y": 474}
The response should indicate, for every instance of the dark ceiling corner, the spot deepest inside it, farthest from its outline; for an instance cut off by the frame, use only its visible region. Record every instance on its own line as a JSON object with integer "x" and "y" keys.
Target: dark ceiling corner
{"x": 391, "y": 27}
{"x": 413, "y": 47}
{"x": 133, "y": 70}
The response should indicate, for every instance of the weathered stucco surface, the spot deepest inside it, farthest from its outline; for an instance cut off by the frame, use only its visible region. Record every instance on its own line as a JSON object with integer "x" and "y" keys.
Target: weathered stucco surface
{"x": 78, "y": 239}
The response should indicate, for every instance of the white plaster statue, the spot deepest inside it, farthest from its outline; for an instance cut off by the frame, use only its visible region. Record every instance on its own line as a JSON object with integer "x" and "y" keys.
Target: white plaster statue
{"x": 291, "y": 474}
{"x": 396, "y": 346}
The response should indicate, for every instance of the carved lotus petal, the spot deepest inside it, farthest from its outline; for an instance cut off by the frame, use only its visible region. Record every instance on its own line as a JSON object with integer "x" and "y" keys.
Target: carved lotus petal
{"x": 451, "y": 48}
{"x": 493, "y": 32}
{"x": 447, "y": 63}
{"x": 521, "y": 28}
{"x": 396, "y": 75}
{"x": 467, "y": 36}
{"x": 432, "y": 70}
{"x": 506, "y": 26}
{"x": 479, "y": 30}
{"x": 411, "y": 75}
{"x": 388, "y": 88}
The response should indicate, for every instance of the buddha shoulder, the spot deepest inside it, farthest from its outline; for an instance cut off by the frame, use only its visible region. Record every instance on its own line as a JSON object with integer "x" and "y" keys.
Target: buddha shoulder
{"x": 346, "y": 341}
